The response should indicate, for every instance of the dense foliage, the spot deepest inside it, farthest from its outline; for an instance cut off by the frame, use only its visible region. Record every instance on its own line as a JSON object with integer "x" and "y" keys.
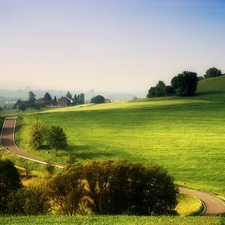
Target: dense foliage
{"x": 112, "y": 188}
{"x": 212, "y": 72}
{"x": 98, "y": 99}
{"x": 160, "y": 90}
{"x": 185, "y": 83}
{"x": 9, "y": 182}
{"x": 53, "y": 136}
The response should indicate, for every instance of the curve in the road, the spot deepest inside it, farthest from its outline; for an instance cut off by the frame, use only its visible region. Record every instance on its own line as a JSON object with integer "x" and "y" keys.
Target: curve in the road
{"x": 8, "y": 143}
{"x": 213, "y": 206}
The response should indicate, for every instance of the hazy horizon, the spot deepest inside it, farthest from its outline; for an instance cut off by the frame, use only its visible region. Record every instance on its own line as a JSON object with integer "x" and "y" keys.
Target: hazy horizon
{"x": 107, "y": 45}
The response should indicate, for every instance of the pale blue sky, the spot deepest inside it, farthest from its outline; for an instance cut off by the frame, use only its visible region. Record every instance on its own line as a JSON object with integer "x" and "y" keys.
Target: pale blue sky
{"x": 108, "y": 45}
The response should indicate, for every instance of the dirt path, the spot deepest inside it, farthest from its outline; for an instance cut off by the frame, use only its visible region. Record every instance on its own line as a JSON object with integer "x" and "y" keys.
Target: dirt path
{"x": 8, "y": 143}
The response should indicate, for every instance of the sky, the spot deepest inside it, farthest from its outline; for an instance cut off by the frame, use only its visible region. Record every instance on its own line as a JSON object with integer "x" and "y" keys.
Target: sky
{"x": 108, "y": 45}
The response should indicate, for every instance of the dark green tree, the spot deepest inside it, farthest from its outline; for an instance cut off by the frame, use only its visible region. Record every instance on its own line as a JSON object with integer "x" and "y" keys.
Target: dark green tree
{"x": 16, "y": 202}
{"x": 212, "y": 72}
{"x": 81, "y": 99}
{"x": 151, "y": 92}
{"x": 160, "y": 90}
{"x": 75, "y": 99}
{"x": 185, "y": 83}
{"x": 56, "y": 138}
{"x": 69, "y": 95}
{"x": 98, "y": 99}
{"x": 9, "y": 182}
{"x": 55, "y": 102}
{"x": 32, "y": 99}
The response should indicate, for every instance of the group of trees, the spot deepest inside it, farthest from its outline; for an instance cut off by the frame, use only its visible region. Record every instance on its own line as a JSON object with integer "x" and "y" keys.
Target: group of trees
{"x": 184, "y": 84}
{"x": 97, "y": 187}
{"x": 47, "y": 100}
{"x": 53, "y": 136}
{"x": 32, "y": 102}
{"x": 78, "y": 99}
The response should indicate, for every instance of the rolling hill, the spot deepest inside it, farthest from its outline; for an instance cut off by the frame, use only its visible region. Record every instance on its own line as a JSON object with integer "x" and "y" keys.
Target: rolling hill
{"x": 185, "y": 135}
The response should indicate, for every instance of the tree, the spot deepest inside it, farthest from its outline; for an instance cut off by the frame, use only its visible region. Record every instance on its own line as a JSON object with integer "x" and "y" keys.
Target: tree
{"x": 55, "y": 102}
{"x": 69, "y": 95}
{"x": 9, "y": 182}
{"x": 47, "y": 97}
{"x": 185, "y": 83}
{"x": 32, "y": 99}
{"x": 26, "y": 165}
{"x": 160, "y": 90}
{"x": 122, "y": 187}
{"x": 212, "y": 72}
{"x": 81, "y": 99}
{"x": 56, "y": 138}
{"x": 98, "y": 99}
{"x": 37, "y": 200}
{"x": 37, "y": 131}
{"x": 66, "y": 189}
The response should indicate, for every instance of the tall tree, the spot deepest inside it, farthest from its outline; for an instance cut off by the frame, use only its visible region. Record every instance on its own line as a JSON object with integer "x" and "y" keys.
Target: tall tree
{"x": 81, "y": 98}
{"x": 55, "y": 102}
{"x": 56, "y": 138}
{"x": 32, "y": 99}
{"x": 69, "y": 95}
{"x": 185, "y": 83}
{"x": 47, "y": 97}
{"x": 66, "y": 189}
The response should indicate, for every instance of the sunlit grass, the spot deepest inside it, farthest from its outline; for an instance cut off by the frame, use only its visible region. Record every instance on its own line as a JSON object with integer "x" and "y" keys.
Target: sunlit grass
{"x": 186, "y": 136}
{"x": 112, "y": 220}
{"x": 188, "y": 205}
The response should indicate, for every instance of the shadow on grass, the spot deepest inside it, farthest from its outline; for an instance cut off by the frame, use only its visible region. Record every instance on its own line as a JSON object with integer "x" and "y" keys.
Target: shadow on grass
{"x": 209, "y": 93}
{"x": 85, "y": 152}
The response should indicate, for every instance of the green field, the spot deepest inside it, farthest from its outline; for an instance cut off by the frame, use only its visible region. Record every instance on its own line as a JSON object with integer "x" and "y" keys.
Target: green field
{"x": 185, "y": 135}
{"x": 112, "y": 220}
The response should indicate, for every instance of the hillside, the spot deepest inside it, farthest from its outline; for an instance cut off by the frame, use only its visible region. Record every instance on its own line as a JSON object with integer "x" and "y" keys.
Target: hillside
{"x": 212, "y": 89}
{"x": 185, "y": 135}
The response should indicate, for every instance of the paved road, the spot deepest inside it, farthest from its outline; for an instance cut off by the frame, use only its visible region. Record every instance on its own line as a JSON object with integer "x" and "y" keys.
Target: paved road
{"x": 213, "y": 205}
{"x": 8, "y": 143}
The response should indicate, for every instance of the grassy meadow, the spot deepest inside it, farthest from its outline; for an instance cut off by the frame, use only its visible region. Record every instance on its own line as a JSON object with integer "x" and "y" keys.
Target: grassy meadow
{"x": 185, "y": 135}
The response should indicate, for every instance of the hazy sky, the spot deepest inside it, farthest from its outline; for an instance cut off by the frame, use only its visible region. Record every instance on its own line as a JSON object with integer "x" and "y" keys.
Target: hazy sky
{"x": 108, "y": 45}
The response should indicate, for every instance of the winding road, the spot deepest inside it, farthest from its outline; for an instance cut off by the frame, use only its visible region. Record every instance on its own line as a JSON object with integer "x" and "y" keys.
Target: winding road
{"x": 8, "y": 143}
{"x": 213, "y": 206}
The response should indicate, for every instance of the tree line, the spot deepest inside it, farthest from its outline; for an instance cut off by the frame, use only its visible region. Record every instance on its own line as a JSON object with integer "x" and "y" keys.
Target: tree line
{"x": 47, "y": 100}
{"x": 184, "y": 84}
{"x": 97, "y": 187}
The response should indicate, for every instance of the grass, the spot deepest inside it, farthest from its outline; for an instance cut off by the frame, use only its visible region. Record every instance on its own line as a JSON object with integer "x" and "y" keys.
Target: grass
{"x": 114, "y": 220}
{"x": 188, "y": 205}
{"x": 184, "y": 135}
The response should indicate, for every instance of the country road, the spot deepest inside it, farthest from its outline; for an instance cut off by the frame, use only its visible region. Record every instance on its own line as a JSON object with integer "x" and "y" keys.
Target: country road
{"x": 8, "y": 143}
{"x": 213, "y": 206}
